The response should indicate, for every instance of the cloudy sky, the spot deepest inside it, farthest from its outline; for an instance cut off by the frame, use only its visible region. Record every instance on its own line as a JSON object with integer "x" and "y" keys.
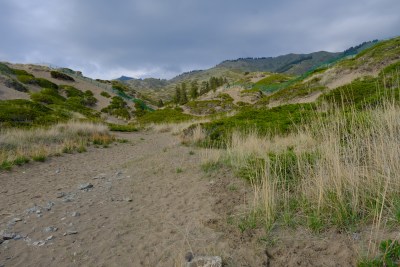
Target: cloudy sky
{"x": 162, "y": 38}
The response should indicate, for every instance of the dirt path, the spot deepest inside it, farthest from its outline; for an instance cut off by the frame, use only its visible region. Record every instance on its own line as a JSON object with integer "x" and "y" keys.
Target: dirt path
{"x": 150, "y": 204}
{"x": 148, "y": 207}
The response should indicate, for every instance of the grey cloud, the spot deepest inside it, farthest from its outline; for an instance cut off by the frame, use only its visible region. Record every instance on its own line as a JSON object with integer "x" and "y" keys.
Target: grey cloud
{"x": 163, "y": 38}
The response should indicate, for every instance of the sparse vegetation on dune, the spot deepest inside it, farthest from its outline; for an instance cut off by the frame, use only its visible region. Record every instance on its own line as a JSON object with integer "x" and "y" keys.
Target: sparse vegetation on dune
{"x": 341, "y": 171}
{"x": 18, "y": 146}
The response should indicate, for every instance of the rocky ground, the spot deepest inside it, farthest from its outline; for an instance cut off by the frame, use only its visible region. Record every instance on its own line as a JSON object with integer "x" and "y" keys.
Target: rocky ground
{"x": 146, "y": 202}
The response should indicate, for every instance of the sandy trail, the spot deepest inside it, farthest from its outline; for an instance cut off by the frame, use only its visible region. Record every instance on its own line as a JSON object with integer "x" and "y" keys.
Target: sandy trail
{"x": 149, "y": 205}
{"x": 147, "y": 208}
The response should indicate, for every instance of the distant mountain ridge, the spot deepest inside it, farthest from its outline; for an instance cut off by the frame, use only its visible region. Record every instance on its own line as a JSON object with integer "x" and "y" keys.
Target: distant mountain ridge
{"x": 293, "y": 64}
{"x": 124, "y": 78}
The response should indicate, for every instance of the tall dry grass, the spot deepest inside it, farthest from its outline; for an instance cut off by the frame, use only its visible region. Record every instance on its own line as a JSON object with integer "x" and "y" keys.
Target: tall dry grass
{"x": 343, "y": 170}
{"x": 17, "y": 146}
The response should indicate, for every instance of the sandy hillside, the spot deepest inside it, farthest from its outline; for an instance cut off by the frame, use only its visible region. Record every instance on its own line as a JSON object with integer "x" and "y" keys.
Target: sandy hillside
{"x": 44, "y": 72}
{"x": 149, "y": 205}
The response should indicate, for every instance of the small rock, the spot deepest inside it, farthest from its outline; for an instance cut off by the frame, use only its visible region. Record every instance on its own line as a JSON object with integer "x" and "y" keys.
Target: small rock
{"x": 356, "y": 236}
{"x": 100, "y": 176}
{"x": 50, "y": 238}
{"x": 85, "y": 186}
{"x": 50, "y": 229}
{"x": 38, "y": 211}
{"x": 58, "y": 171}
{"x": 17, "y": 219}
{"x": 128, "y": 199}
{"x": 39, "y": 215}
{"x": 189, "y": 256}
{"x": 8, "y": 236}
{"x": 18, "y": 237}
{"x": 5, "y": 242}
{"x": 205, "y": 261}
{"x": 34, "y": 209}
{"x": 39, "y": 243}
{"x": 71, "y": 232}
{"x": 49, "y": 205}
{"x": 75, "y": 214}
{"x": 118, "y": 173}
{"x": 61, "y": 194}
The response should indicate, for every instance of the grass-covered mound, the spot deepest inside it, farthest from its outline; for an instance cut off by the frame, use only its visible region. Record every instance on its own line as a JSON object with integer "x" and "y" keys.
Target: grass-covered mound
{"x": 41, "y": 82}
{"x": 265, "y": 121}
{"x": 19, "y": 112}
{"x": 367, "y": 92}
{"x": 19, "y": 146}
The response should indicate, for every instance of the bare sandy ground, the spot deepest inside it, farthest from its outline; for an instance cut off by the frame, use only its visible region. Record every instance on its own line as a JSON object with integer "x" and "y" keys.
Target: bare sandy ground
{"x": 150, "y": 204}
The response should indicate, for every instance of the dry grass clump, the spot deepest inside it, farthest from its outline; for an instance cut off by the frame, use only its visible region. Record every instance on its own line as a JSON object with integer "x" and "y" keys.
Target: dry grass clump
{"x": 342, "y": 171}
{"x": 18, "y": 146}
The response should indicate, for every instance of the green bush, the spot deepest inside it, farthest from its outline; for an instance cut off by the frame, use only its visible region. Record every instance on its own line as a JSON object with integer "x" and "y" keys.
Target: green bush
{"x": 277, "y": 120}
{"x": 118, "y": 107}
{"x": 26, "y": 79}
{"x": 61, "y": 76}
{"x": 47, "y": 96}
{"x": 105, "y": 94}
{"x": 71, "y": 91}
{"x": 11, "y": 83}
{"x": 19, "y": 112}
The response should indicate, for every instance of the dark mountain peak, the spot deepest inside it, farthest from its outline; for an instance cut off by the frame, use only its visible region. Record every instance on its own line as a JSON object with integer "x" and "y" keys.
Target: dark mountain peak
{"x": 124, "y": 78}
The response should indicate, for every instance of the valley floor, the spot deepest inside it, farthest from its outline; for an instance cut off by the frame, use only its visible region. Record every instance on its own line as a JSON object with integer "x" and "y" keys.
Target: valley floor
{"x": 150, "y": 204}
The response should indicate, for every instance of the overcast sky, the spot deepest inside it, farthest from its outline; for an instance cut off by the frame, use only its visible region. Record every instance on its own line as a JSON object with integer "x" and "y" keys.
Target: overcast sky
{"x": 162, "y": 38}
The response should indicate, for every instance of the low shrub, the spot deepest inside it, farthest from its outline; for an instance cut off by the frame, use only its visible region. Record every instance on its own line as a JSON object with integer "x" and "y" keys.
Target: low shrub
{"x": 61, "y": 76}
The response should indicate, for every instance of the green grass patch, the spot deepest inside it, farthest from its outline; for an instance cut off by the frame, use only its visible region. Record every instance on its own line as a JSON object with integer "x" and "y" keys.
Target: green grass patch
{"x": 265, "y": 121}
{"x": 105, "y": 94}
{"x": 389, "y": 255}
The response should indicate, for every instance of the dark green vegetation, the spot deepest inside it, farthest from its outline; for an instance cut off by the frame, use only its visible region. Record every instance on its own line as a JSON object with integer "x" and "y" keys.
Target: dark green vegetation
{"x": 61, "y": 76}
{"x": 368, "y": 92}
{"x": 18, "y": 112}
{"x": 390, "y": 255}
{"x": 118, "y": 107}
{"x": 278, "y": 120}
{"x": 41, "y": 82}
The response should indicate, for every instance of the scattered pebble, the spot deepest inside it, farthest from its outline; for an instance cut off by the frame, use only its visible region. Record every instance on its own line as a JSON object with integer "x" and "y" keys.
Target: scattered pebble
{"x": 71, "y": 232}
{"x": 100, "y": 176}
{"x": 49, "y": 205}
{"x": 189, "y": 256}
{"x": 39, "y": 243}
{"x": 50, "y": 238}
{"x": 128, "y": 199}
{"x": 58, "y": 171}
{"x": 50, "y": 229}
{"x": 17, "y": 219}
{"x": 8, "y": 236}
{"x": 61, "y": 194}
{"x": 75, "y": 214}
{"x": 34, "y": 209}
{"x": 18, "y": 237}
{"x": 85, "y": 186}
